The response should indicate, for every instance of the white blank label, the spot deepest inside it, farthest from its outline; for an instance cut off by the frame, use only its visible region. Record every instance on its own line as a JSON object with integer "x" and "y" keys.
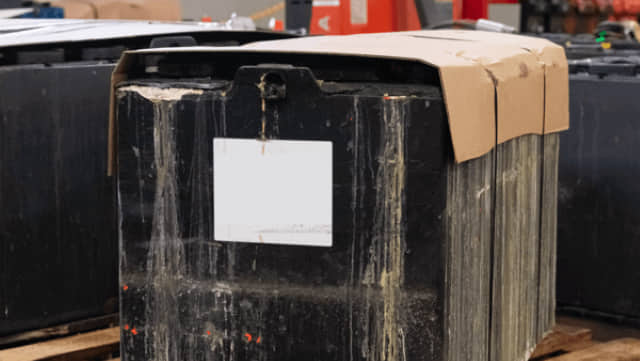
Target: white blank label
{"x": 359, "y": 10}
{"x": 317, "y": 3}
{"x": 273, "y": 192}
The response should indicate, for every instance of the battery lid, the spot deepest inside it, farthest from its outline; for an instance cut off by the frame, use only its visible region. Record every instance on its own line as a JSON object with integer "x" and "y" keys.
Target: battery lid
{"x": 496, "y": 87}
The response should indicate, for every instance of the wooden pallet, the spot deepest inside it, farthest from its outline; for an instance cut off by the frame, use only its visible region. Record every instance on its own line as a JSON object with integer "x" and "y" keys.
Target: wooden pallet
{"x": 66, "y": 329}
{"x": 570, "y": 343}
{"x": 564, "y": 343}
{"x": 95, "y": 345}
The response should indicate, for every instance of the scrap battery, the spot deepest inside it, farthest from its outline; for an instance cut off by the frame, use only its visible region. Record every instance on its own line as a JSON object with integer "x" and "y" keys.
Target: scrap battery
{"x": 318, "y": 199}
{"x": 598, "y": 232}
{"x": 583, "y": 46}
{"x": 58, "y": 229}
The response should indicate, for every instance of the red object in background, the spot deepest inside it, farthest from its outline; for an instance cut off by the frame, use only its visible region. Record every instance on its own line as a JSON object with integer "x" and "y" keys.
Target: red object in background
{"x": 363, "y": 16}
{"x": 370, "y": 16}
{"x": 406, "y": 15}
{"x": 276, "y": 25}
{"x": 474, "y": 9}
{"x": 626, "y": 7}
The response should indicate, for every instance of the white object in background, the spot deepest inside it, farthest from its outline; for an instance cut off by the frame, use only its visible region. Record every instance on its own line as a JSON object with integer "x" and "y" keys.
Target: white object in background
{"x": 273, "y": 192}
{"x": 332, "y": 3}
{"x": 12, "y": 13}
{"x": 488, "y": 25}
{"x": 240, "y": 23}
{"x": 359, "y": 12}
{"x": 46, "y": 31}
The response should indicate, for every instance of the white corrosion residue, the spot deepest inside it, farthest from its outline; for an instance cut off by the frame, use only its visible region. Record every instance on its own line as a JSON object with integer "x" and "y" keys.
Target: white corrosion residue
{"x": 156, "y": 94}
{"x": 482, "y": 191}
{"x": 389, "y": 225}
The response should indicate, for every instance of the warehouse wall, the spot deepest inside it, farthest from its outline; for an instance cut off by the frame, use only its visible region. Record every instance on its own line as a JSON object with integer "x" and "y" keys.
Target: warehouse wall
{"x": 220, "y": 10}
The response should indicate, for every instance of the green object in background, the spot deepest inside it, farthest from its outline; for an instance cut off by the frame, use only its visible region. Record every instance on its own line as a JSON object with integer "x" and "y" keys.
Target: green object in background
{"x": 601, "y": 36}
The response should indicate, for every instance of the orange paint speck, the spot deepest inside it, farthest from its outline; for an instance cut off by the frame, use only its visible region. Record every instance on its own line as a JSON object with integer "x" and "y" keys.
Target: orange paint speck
{"x": 209, "y": 333}
{"x": 125, "y": 287}
{"x": 248, "y": 336}
{"x": 133, "y": 331}
{"x": 258, "y": 340}
{"x": 387, "y": 98}
{"x": 126, "y": 327}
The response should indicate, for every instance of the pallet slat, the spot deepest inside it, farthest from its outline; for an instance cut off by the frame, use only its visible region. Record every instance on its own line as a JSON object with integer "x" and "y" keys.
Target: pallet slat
{"x": 78, "y": 347}
{"x": 59, "y": 330}
{"x": 624, "y": 349}
{"x": 563, "y": 338}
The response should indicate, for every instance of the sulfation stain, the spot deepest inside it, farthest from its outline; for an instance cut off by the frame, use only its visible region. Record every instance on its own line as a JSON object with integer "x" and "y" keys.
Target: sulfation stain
{"x": 263, "y": 108}
{"x": 165, "y": 257}
{"x": 156, "y": 94}
{"x": 390, "y": 223}
{"x": 165, "y": 260}
{"x": 385, "y": 264}
{"x": 166, "y": 254}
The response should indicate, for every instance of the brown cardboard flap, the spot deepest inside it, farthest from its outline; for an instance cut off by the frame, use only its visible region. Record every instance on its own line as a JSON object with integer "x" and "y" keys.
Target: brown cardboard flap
{"x": 519, "y": 86}
{"x": 518, "y": 81}
{"x": 496, "y": 87}
{"x": 78, "y": 9}
{"x": 550, "y": 55}
{"x": 168, "y": 10}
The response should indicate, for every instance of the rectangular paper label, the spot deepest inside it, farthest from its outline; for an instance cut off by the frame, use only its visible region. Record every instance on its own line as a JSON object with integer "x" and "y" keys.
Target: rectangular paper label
{"x": 273, "y": 192}
{"x": 326, "y": 3}
{"x": 359, "y": 14}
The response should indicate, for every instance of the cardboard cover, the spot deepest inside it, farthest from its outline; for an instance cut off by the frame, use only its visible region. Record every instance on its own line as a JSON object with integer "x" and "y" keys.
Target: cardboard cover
{"x": 556, "y": 72}
{"x": 496, "y": 86}
{"x": 121, "y": 9}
